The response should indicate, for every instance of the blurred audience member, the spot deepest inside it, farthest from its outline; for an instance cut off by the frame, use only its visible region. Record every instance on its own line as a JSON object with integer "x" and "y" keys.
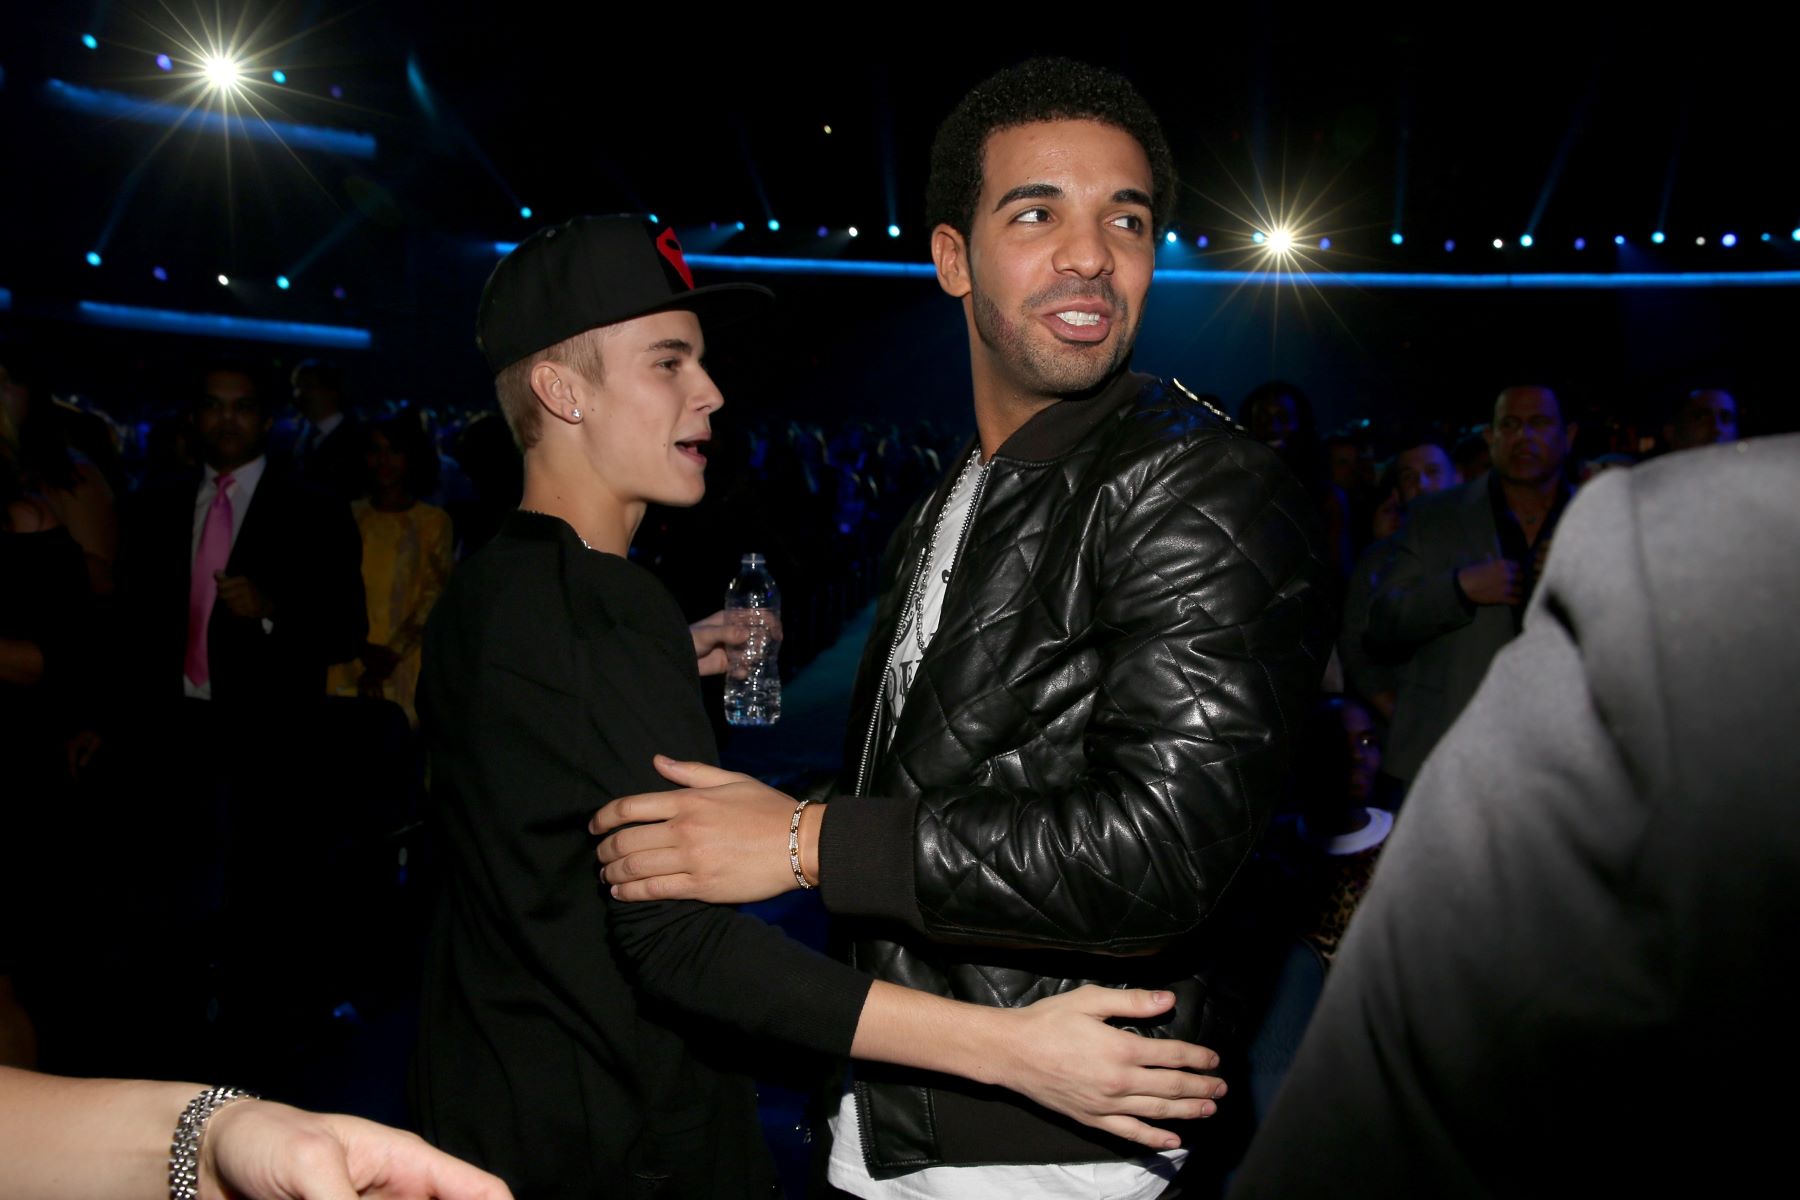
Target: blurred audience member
{"x": 1424, "y": 467}
{"x": 1703, "y": 417}
{"x": 407, "y": 553}
{"x": 245, "y": 580}
{"x": 1279, "y": 415}
{"x": 1471, "y": 455}
{"x": 1339, "y": 831}
{"x": 72, "y": 487}
{"x": 1463, "y": 569}
{"x": 328, "y": 444}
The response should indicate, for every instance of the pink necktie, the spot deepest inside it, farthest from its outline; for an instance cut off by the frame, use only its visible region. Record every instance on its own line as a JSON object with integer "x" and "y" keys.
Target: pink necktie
{"x": 203, "y": 588}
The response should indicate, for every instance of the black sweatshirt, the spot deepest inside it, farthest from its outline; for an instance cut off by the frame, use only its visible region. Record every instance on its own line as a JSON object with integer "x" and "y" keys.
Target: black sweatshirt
{"x": 570, "y": 1043}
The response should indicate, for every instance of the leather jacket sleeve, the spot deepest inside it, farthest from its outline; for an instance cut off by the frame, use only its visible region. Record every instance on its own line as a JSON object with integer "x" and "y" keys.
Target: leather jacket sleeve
{"x": 1210, "y": 628}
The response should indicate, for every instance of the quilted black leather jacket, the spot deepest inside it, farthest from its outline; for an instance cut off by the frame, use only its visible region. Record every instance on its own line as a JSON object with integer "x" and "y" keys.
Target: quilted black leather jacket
{"x": 1089, "y": 750}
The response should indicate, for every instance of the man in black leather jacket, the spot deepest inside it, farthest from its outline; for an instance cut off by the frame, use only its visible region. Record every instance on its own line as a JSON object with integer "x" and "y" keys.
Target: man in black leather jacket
{"x": 1077, "y": 704}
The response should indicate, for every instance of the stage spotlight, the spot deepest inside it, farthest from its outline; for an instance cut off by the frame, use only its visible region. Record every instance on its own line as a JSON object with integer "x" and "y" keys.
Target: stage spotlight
{"x": 1324, "y": 243}
{"x": 524, "y": 212}
{"x": 1449, "y": 245}
{"x": 1170, "y": 238}
{"x": 1526, "y": 241}
{"x": 893, "y": 231}
{"x": 1281, "y": 241}
{"x": 90, "y": 41}
{"x": 1768, "y": 237}
{"x": 1396, "y": 238}
{"x": 1657, "y": 237}
{"x": 828, "y": 129}
{"x": 853, "y": 231}
{"x": 1699, "y": 241}
{"x": 1729, "y": 240}
{"x": 93, "y": 258}
{"x": 224, "y": 281}
{"x": 656, "y": 220}
{"x": 337, "y": 93}
{"x": 774, "y": 225}
{"x": 740, "y": 226}
{"x": 1581, "y": 243}
{"x": 278, "y": 76}
{"x": 1618, "y": 239}
{"x": 824, "y": 232}
{"x": 158, "y": 274}
{"x": 1201, "y": 241}
{"x": 221, "y": 71}
{"x": 163, "y": 63}
{"x": 338, "y": 293}
{"x": 1499, "y": 243}
{"x": 282, "y": 282}
{"x": 1796, "y": 235}
{"x": 1259, "y": 237}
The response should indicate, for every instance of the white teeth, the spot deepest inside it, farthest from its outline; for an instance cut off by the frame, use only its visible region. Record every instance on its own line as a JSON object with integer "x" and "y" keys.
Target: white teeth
{"x": 1079, "y": 318}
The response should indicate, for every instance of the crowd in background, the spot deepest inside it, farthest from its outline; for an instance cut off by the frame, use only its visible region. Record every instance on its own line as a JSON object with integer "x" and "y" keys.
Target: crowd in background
{"x": 217, "y": 878}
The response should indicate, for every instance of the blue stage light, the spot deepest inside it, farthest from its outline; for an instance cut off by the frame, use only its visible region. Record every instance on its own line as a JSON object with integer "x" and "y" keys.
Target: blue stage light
{"x": 279, "y": 76}
{"x": 774, "y": 225}
{"x": 1581, "y": 243}
{"x": 1728, "y": 240}
{"x": 1202, "y": 241}
{"x": 1169, "y": 237}
{"x": 1657, "y": 237}
{"x": 893, "y": 231}
{"x": 281, "y": 281}
{"x": 1526, "y": 241}
{"x": 740, "y": 226}
{"x": 656, "y": 220}
{"x": 824, "y": 232}
{"x": 158, "y": 274}
{"x": 163, "y": 63}
{"x": 118, "y": 105}
{"x": 1449, "y": 245}
{"x": 1768, "y": 237}
{"x": 1618, "y": 239}
{"x": 1796, "y": 235}
{"x": 220, "y": 325}
{"x": 525, "y": 212}
{"x": 93, "y": 258}
{"x": 1259, "y": 237}
{"x": 1324, "y": 243}
{"x": 90, "y": 41}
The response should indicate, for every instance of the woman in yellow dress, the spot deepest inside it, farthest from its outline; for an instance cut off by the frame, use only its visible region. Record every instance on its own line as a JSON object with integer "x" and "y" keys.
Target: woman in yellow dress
{"x": 407, "y": 556}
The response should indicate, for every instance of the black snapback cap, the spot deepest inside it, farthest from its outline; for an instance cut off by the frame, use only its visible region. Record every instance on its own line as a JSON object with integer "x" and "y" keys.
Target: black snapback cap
{"x": 593, "y": 271}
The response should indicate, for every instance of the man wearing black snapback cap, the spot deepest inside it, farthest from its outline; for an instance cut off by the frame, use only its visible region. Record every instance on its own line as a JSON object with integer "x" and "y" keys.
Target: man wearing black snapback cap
{"x": 572, "y": 1044}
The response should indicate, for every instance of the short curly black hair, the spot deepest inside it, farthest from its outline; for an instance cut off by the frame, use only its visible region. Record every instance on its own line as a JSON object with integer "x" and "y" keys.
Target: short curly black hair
{"x": 1039, "y": 89}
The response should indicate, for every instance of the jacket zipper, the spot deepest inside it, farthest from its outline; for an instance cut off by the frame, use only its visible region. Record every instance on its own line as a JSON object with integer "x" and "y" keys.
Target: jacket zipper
{"x": 862, "y": 768}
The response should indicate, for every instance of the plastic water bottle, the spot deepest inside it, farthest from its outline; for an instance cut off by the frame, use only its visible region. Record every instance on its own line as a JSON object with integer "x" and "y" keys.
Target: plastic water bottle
{"x": 752, "y": 676}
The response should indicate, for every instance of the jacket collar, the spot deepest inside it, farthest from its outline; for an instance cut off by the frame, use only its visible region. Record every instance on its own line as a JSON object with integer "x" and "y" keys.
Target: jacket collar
{"x": 1056, "y": 430}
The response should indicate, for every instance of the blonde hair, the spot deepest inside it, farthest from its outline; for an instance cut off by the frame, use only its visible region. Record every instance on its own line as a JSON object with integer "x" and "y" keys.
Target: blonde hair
{"x": 519, "y": 404}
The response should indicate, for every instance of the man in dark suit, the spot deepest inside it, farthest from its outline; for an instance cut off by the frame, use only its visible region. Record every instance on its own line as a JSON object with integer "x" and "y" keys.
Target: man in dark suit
{"x": 240, "y": 582}
{"x": 1455, "y": 587}
{"x": 328, "y": 446}
{"x": 1571, "y": 976}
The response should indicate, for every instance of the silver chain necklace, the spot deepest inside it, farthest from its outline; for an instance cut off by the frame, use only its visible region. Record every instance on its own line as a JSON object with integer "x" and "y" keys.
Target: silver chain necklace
{"x": 540, "y": 513}
{"x": 931, "y": 546}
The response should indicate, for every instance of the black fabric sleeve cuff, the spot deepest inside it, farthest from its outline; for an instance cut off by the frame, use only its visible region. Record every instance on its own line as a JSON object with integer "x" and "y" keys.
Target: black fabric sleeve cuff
{"x": 866, "y": 858}
{"x": 1462, "y": 597}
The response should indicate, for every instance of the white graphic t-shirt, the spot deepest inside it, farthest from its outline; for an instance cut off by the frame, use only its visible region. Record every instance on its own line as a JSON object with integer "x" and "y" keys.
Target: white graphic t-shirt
{"x": 919, "y": 623}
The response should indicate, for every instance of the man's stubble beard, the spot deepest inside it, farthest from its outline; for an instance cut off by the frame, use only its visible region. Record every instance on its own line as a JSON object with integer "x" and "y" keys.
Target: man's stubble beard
{"x": 1039, "y": 369}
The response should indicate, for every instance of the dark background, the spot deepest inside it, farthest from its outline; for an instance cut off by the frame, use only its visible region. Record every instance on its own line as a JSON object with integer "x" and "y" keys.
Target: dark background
{"x": 1352, "y": 129}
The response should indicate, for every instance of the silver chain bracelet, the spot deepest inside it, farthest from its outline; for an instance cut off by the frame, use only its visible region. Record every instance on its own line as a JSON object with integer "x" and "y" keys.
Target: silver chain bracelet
{"x": 184, "y": 1151}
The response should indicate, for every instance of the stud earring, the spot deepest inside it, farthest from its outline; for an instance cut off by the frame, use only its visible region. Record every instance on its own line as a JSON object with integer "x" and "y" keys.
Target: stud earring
{"x": 574, "y": 414}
